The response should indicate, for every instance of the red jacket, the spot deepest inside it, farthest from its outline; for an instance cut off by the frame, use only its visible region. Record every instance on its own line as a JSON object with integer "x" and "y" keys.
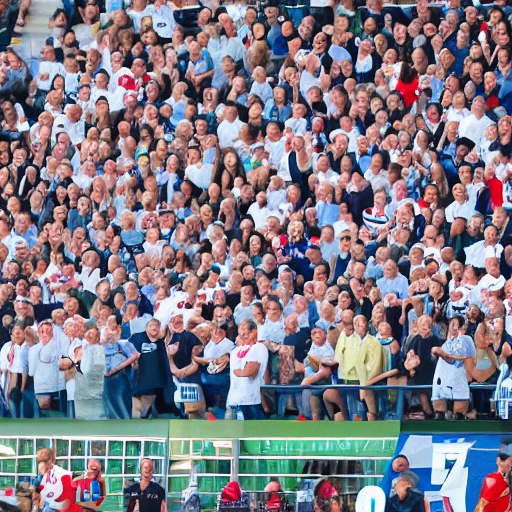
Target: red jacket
{"x": 496, "y": 187}
{"x": 495, "y": 490}
{"x": 410, "y": 92}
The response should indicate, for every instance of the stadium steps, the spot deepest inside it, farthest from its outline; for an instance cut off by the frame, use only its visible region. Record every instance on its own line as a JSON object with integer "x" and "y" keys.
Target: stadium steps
{"x": 36, "y": 31}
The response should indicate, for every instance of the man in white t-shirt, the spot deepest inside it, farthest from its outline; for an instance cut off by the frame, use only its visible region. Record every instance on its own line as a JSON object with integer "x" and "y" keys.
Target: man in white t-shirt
{"x": 229, "y": 128}
{"x": 474, "y": 126}
{"x": 248, "y": 362}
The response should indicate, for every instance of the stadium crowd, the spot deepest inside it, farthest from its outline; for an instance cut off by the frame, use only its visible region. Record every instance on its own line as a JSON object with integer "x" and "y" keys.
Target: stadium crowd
{"x": 230, "y": 195}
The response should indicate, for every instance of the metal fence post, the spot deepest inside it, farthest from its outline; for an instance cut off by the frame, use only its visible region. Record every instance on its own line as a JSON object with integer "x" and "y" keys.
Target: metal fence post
{"x": 235, "y": 461}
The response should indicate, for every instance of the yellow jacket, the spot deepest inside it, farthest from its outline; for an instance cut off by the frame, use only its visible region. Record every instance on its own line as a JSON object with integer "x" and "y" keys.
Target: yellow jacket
{"x": 359, "y": 360}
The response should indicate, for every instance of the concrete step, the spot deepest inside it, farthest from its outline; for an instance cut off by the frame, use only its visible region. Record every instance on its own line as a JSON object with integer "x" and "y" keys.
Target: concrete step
{"x": 45, "y": 10}
{"x": 36, "y": 31}
{"x": 38, "y": 21}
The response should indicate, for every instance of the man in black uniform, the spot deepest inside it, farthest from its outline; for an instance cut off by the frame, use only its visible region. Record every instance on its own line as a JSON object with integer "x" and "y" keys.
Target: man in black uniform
{"x": 149, "y": 494}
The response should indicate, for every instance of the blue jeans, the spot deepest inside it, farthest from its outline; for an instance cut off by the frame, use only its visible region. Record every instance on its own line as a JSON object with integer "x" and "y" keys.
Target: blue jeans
{"x": 30, "y": 408}
{"x": 215, "y": 388}
{"x": 249, "y": 412}
{"x": 117, "y": 396}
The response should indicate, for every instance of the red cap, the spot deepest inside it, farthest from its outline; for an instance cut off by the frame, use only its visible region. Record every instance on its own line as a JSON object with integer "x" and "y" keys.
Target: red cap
{"x": 127, "y": 82}
{"x": 232, "y": 492}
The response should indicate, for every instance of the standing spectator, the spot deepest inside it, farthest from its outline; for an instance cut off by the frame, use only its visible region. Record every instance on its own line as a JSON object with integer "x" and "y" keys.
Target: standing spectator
{"x": 450, "y": 378}
{"x": 248, "y": 362}
{"x": 119, "y": 355}
{"x": 11, "y": 363}
{"x": 147, "y": 495}
{"x": 57, "y": 489}
{"x": 43, "y": 365}
{"x": 89, "y": 381}
{"x": 152, "y": 376}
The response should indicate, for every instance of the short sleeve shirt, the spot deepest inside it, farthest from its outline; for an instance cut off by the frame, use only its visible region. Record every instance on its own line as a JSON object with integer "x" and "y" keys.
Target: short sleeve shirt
{"x": 150, "y": 499}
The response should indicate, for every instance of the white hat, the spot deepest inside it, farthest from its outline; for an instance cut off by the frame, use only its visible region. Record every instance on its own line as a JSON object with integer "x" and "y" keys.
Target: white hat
{"x": 335, "y": 133}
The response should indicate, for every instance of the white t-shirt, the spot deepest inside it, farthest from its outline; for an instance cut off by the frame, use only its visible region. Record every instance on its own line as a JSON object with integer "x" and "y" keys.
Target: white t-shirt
{"x": 455, "y": 209}
{"x": 216, "y": 350}
{"x": 137, "y": 16}
{"x": 43, "y": 365}
{"x": 474, "y": 128}
{"x": 246, "y": 390}
{"x": 228, "y": 133}
{"x": 163, "y": 21}
{"x": 259, "y": 215}
{"x": 17, "y": 362}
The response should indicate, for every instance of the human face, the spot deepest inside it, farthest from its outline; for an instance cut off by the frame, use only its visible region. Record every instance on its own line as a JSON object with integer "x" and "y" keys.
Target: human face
{"x": 45, "y": 333}
{"x": 465, "y": 175}
{"x": 430, "y": 194}
{"x": 390, "y": 269}
{"x": 361, "y": 326}
{"x": 424, "y": 325}
{"x": 44, "y": 467}
{"x": 273, "y": 311}
{"x": 320, "y": 43}
{"x": 478, "y": 106}
{"x": 146, "y": 470}
{"x": 459, "y": 193}
{"x": 400, "y": 33}
{"x": 400, "y": 464}
{"x": 318, "y": 336}
{"x": 93, "y": 468}
{"x": 453, "y": 328}
{"x": 490, "y": 235}
{"x": 433, "y": 114}
{"x": 92, "y": 336}
{"x": 153, "y": 328}
{"x": 504, "y": 466}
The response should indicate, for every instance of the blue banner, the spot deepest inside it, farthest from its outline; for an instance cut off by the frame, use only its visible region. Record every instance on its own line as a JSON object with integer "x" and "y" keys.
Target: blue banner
{"x": 451, "y": 468}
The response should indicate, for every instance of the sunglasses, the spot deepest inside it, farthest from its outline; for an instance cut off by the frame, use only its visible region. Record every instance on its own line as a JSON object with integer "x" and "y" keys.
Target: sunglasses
{"x": 346, "y": 238}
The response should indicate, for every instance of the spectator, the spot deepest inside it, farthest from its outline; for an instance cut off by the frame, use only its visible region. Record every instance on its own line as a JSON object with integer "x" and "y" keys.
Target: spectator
{"x": 405, "y": 498}
{"x": 247, "y": 365}
{"x": 149, "y": 495}
{"x": 151, "y": 378}
{"x": 151, "y": 170}
{"x": 43, "y": 366}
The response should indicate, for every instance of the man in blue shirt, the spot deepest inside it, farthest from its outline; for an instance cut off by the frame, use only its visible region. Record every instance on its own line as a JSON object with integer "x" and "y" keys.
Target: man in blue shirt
{"x": 393, "y": 282}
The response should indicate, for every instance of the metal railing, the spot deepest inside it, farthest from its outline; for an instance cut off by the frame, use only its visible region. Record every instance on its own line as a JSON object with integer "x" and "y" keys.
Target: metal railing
{"x": 401, "y": 390}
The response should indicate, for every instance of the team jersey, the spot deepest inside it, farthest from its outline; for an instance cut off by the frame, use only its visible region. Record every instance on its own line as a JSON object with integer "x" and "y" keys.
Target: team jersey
{"x": 56, "y": 487}
{"x": 150, "y": 499}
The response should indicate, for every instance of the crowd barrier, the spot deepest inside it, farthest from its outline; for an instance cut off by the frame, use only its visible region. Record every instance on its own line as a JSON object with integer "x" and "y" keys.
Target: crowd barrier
{"x": 399, "y": 400}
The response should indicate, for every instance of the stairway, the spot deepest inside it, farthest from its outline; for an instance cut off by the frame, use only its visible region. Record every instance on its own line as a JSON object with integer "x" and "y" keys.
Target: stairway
{"x": 36, "y": 31}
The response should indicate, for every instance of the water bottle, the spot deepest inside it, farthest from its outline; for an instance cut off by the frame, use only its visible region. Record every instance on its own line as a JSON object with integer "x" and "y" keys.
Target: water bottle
{"x": 239, "y": 415}
{"x": 95, "y": 490}
{"x": 87, "y": 495}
